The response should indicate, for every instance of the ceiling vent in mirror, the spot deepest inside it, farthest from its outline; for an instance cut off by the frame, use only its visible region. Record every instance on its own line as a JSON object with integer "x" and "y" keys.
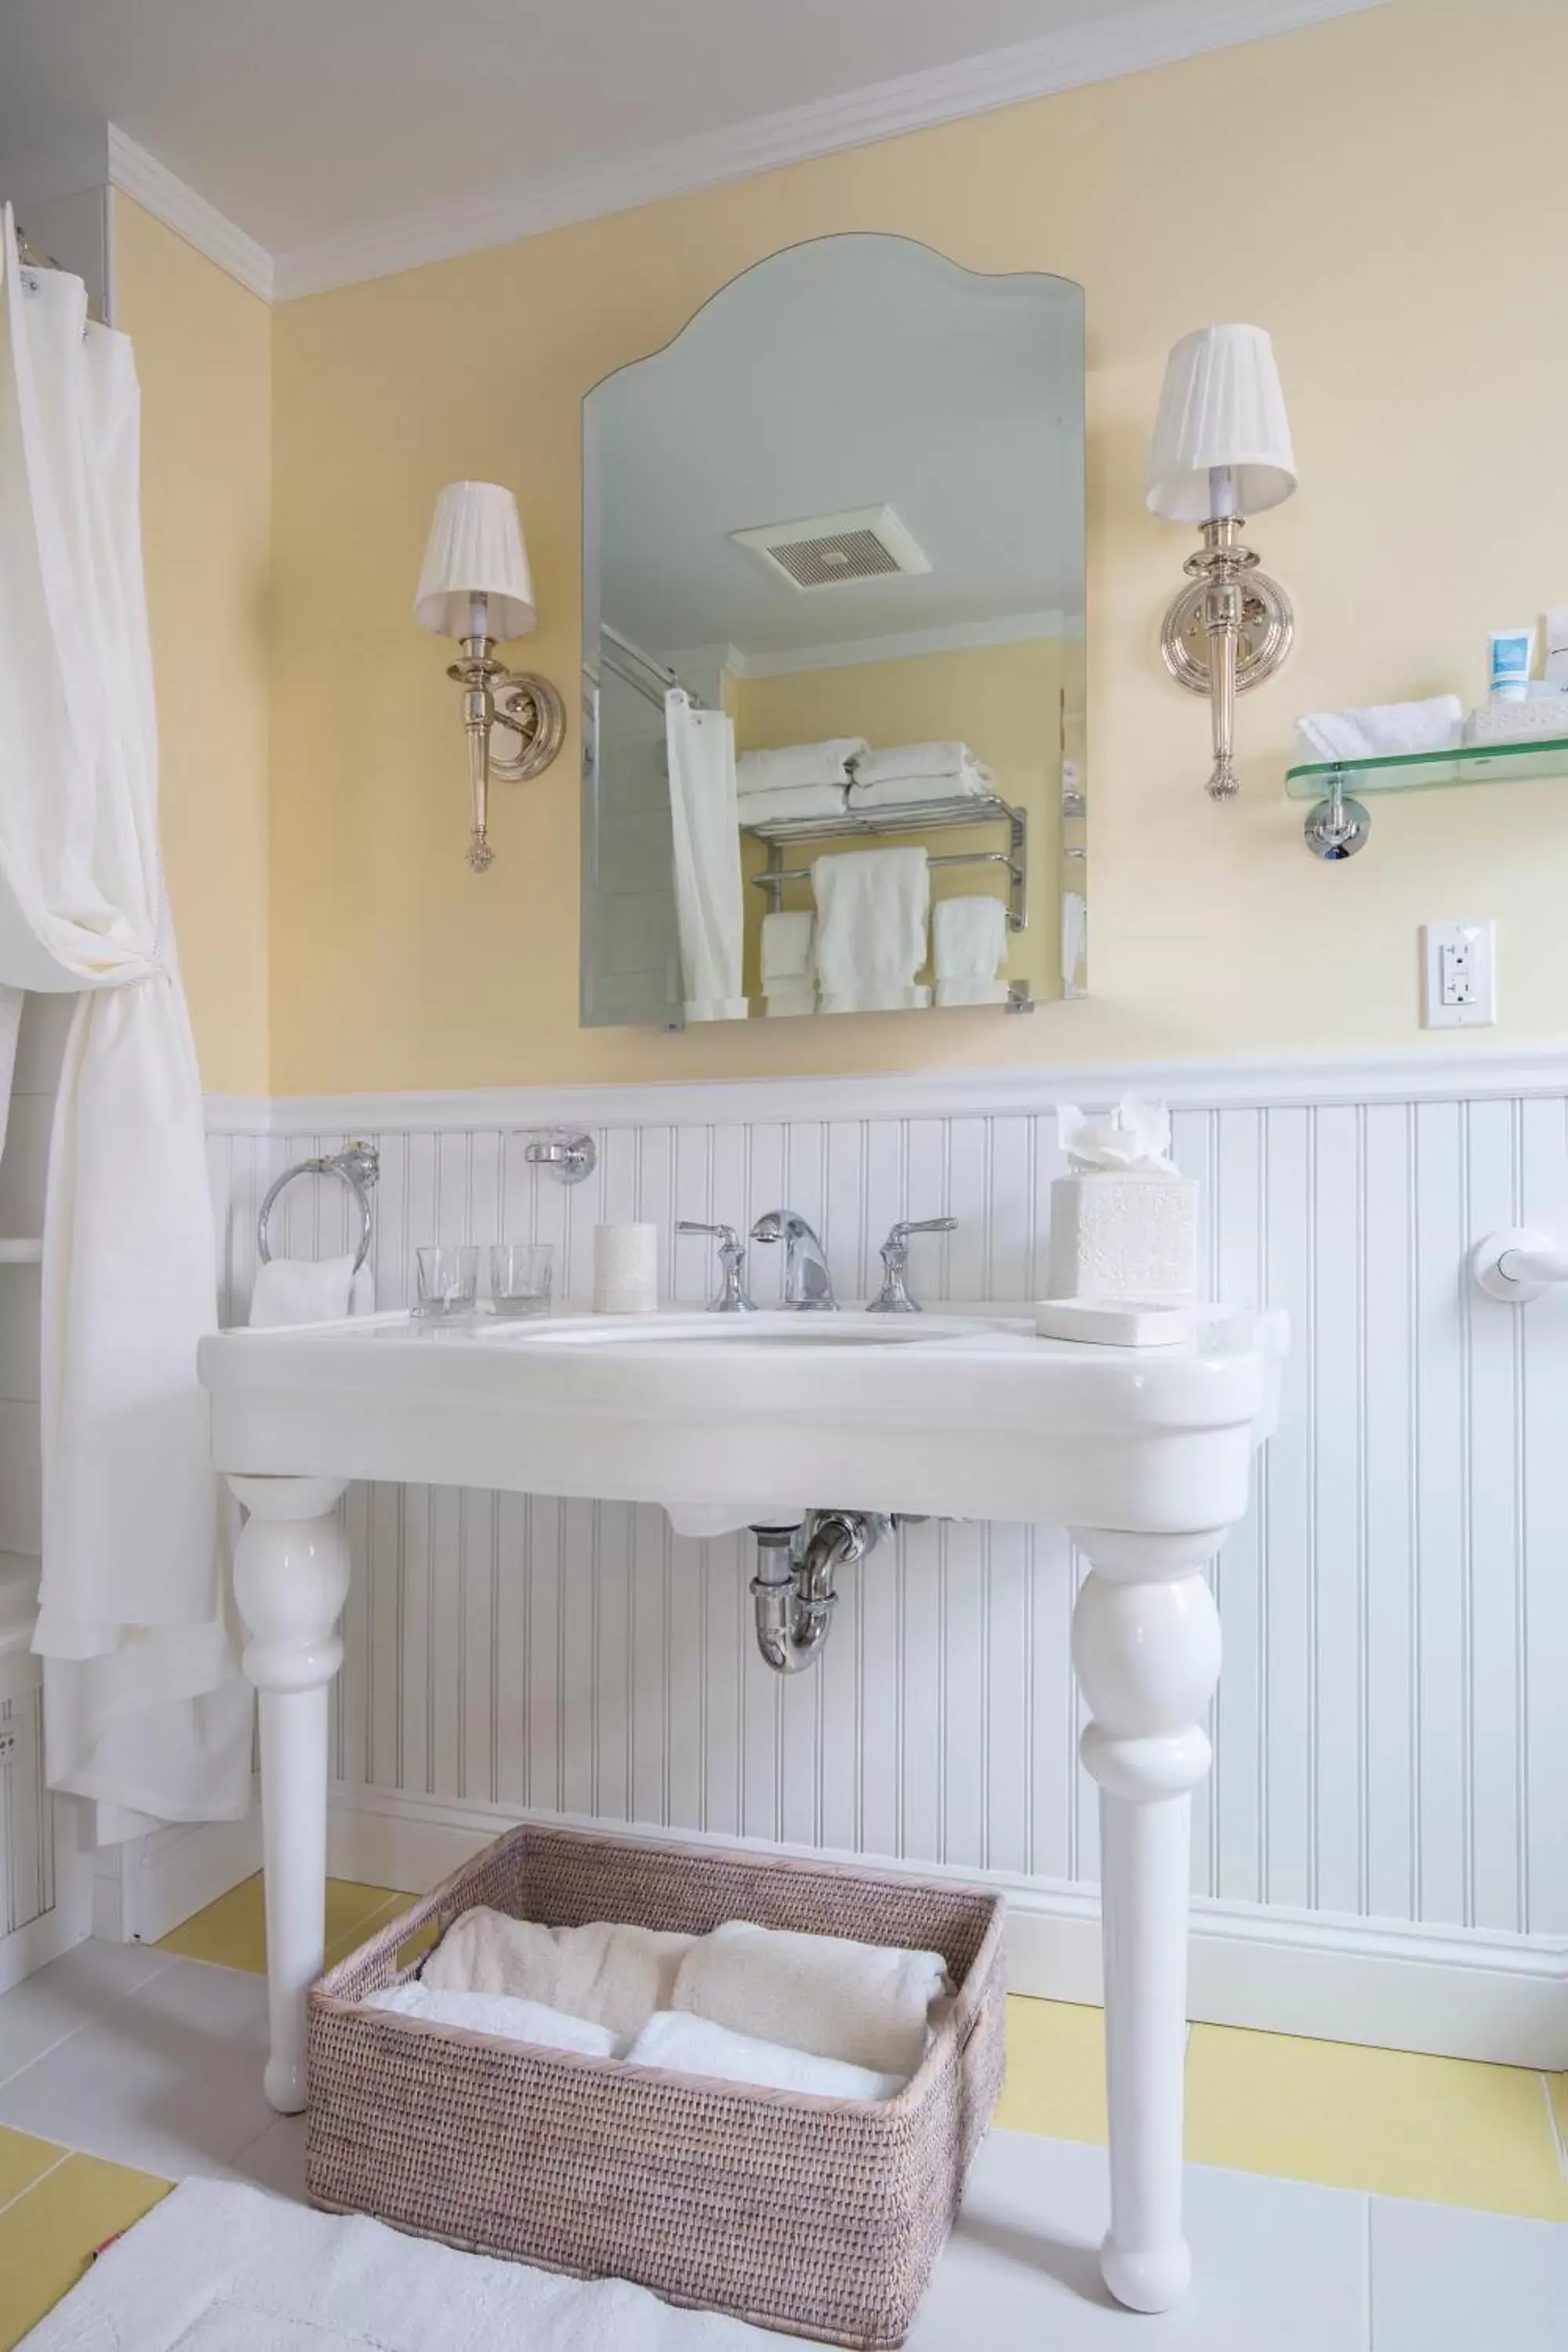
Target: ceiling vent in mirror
{"x": 831, "y": 550}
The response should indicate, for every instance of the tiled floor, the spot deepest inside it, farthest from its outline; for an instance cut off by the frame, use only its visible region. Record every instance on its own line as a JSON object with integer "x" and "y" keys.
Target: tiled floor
{"x": 123, "y": 2068}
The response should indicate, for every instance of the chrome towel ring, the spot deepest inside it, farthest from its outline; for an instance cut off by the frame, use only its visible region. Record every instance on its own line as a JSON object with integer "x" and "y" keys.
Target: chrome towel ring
{"x": 358, "y": 1165}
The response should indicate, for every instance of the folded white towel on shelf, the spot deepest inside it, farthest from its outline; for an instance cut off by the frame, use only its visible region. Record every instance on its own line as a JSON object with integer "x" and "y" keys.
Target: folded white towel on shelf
{"x": 310, "y": 1290}
{"x": 871, "y": 907}
{"x": 608, "y": 1972}
{"x": 500, "y": 2014}
{"x": 868, "y": 2004}
{"x": 919, "y": 792}
{"x": 799, "y": 804}
{"x": 1379, "y": 728}
{"x": 682, "y": 2044}
{"x": 969, "y": 948}
{"x": 907, "y": 759}
{"x": 799, "y": 763}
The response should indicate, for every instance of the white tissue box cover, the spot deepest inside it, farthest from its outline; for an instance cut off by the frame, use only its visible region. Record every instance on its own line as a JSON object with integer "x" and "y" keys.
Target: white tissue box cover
{"x": 1130, "y": 1236}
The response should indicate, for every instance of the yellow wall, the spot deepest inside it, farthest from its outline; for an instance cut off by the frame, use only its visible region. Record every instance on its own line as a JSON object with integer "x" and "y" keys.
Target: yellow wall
{"x": 1397, "y": 176}
{"x": 1002, "y": 701}
{"x": 203, "y": 356}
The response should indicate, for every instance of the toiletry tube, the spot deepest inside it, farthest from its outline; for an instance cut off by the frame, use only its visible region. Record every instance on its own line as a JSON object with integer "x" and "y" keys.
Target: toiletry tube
{"x": 1508, "y": 671}
{"x": 1557, "y": 649}
{"x": 626, "y": 1269}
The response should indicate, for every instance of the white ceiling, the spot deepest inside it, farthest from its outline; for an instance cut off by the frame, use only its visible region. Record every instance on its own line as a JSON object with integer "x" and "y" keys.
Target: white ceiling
{"x": 310, "y": 124}
{"x": 853, "y": 372}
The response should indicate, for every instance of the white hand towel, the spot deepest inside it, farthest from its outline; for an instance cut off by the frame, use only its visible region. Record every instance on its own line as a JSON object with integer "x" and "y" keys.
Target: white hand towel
{"x": 868, "y": 2004}
{"x": 1382, "y": 727}
{"x": 610, "y": 1973}
{"x": 871, "y": 907}
{"x": 680, "y": 2044}
{"x": 800, "y": 763}
{"x": 787, "y": 946}
{"x": 804, "y": 804}
{"x": 509, "y": 2019}
{"x": 916, "y": 792}
{"x": 310, "y": 1290}
{"x": 904, "y": 760}
{"x": 969, "y": 948}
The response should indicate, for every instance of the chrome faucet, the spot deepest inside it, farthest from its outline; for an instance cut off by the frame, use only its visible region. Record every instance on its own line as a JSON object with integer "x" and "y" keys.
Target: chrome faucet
{"x": 894, "y": 1298}
{"x": 807, "y": 1284}
{"x": 731, "y": 1297}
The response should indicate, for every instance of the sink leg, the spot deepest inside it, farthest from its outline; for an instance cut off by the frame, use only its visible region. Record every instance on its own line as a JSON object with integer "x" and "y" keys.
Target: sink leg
{"x": 1146, "y": 1648}
{"x": 291, "y": 1580}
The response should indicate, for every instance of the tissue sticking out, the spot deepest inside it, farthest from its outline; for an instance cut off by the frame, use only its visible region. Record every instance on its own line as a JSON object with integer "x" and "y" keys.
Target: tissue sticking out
{"x": 1133, "y": 1138}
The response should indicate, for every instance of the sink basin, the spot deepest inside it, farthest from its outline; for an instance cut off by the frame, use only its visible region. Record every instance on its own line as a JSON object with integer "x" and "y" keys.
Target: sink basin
{"x": 764, "y": 1329}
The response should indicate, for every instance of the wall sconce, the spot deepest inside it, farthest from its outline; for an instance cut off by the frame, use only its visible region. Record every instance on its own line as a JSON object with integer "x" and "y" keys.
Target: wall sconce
{"x": 1222, "y": 451}
{"x": 476, "y": 586}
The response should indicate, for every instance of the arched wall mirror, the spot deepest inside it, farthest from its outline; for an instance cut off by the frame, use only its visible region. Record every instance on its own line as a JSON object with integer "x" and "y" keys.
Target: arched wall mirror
{"x": 834, "y": 608}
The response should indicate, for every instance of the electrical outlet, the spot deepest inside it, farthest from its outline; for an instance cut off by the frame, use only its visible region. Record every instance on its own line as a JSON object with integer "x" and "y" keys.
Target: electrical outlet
{"x": 1458, "y": 963}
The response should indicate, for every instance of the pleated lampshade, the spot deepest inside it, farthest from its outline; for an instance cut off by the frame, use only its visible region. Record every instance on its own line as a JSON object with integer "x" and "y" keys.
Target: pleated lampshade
{"x": 476, "y": 549}
{"x": 1221, "y": 405}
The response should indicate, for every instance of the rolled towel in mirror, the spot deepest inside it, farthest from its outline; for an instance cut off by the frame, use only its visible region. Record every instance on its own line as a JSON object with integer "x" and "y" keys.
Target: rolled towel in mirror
{"x": 919, "y": 792}
{"x": 608, "y": 1972}
{"x": 868, "y": 2004}
{"x": 682, "y": 2044}
{"x": 793, "y": 765}
{"x": 501, "y": 2015}
{"x": 803, "y": 803}
{"x": 904, "y": 762}
{"x": 969, "y": 948}
{"x": 789, "y": 974}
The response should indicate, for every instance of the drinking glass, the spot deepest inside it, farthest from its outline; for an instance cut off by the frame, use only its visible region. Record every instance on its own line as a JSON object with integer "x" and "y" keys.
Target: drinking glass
{"x": 521, "y": 1276}
{"x": 449, "y": 1280}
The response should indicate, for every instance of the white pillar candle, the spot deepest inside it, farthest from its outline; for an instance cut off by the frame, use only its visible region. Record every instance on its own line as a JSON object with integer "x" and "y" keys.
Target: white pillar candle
{"x": 626, "y": 1269}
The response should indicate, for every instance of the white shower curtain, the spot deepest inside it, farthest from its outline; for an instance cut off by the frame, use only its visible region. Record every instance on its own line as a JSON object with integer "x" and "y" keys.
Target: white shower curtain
{"x": 144, "y": 1712}
{"x": 705, "y": 817}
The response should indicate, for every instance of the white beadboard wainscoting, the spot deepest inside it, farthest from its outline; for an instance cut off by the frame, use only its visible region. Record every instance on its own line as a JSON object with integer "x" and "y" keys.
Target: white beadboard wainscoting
{"x": 1381, "y": 1853}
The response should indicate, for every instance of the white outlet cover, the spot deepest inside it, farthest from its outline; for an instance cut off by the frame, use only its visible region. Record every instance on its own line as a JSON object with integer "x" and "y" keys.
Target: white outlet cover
{"x": 1444, "y": 1009}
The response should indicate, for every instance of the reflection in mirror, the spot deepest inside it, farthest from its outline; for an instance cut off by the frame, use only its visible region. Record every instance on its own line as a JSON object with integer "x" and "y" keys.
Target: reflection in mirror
{"x": 834, "y": 647}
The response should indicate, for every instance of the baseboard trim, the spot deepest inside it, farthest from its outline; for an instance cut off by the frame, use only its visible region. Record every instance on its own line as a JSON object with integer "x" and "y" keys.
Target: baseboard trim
{"x": 147, "y": 1888}
{"x": 1451, "y": 1993}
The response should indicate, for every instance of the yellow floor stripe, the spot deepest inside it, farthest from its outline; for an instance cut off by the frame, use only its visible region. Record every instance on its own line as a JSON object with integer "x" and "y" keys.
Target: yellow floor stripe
{"x": 49, "y": 2236}
{"x": 232, "y": 1932}
{"x": 22, "y": 2160}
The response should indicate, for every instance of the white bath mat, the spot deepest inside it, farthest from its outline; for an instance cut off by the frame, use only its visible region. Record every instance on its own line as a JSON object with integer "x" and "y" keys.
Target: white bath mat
{"x": 221, "y": 2268}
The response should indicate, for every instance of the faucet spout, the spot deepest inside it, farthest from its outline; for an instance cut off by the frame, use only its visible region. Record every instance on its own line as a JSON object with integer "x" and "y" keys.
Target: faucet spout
{"x": 807, "y": 1284}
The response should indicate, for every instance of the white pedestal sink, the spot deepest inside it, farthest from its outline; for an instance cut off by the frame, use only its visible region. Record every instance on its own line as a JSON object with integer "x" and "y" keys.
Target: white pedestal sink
{"x": 1145, "y": 1454}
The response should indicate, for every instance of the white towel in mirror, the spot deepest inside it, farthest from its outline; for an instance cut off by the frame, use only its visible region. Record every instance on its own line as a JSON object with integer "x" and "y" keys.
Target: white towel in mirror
{"x": 797, "y": 803}
{"x": 789, "y": 971}
{"x": 871, "y": 908}
{"x": 972, "y": 783}
{"x": 969, "y": 948}
{"x": 793, "y": 765}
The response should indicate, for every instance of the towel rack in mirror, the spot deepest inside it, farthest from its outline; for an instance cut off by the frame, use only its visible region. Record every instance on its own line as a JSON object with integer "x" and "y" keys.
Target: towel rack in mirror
{"x": 357, "y": 1167}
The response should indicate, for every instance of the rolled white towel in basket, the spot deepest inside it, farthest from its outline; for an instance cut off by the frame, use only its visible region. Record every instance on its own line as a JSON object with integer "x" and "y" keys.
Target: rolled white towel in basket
{"x": 868, "y": 2004}
{"x": 609, "y": 1973}
{"x": 502, "y": 2015}
{"x": 682, "y": 2044}
{"x": 310, "y": 1290}
{"x": 969, "y": 948}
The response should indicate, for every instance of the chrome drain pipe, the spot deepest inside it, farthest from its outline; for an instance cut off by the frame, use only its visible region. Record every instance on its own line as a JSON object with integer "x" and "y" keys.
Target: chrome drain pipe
{"x": 792, "y": 1590}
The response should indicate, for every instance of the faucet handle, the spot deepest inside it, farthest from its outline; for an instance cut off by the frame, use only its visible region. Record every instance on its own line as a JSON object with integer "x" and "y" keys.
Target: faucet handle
{"x": 893, "y": 1298}
{"x": 731, "y": 1298}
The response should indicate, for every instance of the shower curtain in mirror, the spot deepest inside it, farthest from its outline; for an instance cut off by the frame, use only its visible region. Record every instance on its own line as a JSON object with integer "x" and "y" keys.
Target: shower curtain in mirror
{"x": 145, "y": 1711}
{"x": 705, "y": 824}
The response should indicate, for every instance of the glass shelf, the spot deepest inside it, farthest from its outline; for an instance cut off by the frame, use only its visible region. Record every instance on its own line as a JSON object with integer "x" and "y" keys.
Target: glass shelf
{"x": 1400, "y": 772}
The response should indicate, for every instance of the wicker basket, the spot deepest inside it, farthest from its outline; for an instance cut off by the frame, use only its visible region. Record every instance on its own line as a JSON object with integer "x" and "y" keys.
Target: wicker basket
{"x": 818, "y": 2217}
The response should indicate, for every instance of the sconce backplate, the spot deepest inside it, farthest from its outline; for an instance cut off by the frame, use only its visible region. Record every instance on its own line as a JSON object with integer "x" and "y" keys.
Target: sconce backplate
{"x": 533, "y": 715}
{"x": 1267, "y": 626}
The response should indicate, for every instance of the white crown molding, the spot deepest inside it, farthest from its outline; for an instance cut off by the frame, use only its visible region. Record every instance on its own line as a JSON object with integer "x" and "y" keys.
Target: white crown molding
{"x": 909, "y": 645}
{"x": 171, "y": 200}
{"x": 1126, "y": 40}
{"x": 1424, "y": 1074}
